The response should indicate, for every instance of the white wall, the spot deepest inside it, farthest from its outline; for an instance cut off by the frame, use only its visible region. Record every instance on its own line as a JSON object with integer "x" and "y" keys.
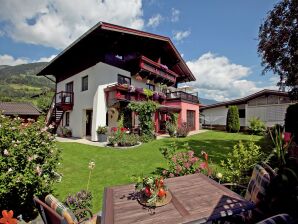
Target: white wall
{"x": 215, "y": 116}
{"x": 98, "y": 75}
{"x": 270, "y": 114}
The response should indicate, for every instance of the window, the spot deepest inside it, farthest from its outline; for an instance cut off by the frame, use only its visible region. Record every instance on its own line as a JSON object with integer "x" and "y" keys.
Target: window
{"x": 69, "y": 87}
{"x": 85, "y": 83}
{"x": 66, "y": 118}
{"x": 123, "y": 79}
{"x": 241, "y": 113}
{"x": 150, "y": 86}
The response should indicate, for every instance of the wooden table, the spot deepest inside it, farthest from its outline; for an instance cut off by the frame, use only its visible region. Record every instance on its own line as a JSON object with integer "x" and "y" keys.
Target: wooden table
{"x": 196, "y": 198}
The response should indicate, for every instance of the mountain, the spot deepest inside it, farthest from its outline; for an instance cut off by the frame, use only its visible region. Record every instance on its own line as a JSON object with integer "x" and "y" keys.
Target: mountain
{"x": 207, "y": 101}
{"x": 19, "y": 83}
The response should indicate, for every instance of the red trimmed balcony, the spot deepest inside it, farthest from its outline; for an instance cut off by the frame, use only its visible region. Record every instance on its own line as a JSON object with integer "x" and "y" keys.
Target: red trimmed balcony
{"x": 64, "y": 100}
{"x": 155, "y": 71}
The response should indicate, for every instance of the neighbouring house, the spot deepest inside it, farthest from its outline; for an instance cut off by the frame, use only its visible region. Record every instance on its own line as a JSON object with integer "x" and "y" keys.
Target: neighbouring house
{"x": 268, "y": 105}
{"x": 24, "y": 110}
{"x": 108, "y": 67}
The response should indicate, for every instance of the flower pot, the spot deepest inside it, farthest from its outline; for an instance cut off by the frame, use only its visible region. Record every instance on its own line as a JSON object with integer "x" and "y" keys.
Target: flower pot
{"x": 155, "y": 96}
{"x": 102, "y": 137}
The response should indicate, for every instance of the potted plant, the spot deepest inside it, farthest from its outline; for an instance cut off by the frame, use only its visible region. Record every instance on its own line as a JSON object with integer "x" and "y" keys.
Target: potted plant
{"x": 155, "y": 96}
{"x": 153, "y": 192}
{"x": 102, "y": 131}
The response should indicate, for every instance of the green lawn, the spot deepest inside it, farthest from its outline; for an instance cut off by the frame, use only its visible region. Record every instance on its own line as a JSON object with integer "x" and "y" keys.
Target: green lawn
{"x": 116, "y": 167}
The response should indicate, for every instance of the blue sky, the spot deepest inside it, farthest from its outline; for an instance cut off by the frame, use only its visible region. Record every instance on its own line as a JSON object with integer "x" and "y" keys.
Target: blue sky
{"x": 218, "y": 39}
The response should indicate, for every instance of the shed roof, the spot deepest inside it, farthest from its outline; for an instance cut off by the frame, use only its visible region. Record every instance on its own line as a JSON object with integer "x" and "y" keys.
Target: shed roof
{"x": 243, "y": 100}
{"x": 18, "y": 108}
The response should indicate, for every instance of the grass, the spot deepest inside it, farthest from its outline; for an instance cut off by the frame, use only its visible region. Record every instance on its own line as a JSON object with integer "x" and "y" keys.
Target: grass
{"x": 116, "y": 167}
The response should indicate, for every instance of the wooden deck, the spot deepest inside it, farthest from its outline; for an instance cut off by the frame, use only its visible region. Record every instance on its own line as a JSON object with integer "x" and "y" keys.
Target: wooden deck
{"x": 195, "y": 198}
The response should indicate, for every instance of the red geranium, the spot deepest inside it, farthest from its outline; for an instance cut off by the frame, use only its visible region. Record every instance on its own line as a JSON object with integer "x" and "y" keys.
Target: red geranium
{"x": 8, "y": 217}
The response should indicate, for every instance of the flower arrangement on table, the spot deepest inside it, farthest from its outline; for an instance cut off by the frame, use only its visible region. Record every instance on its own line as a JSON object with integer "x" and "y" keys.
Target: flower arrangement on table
{"x": 152, "y": 191}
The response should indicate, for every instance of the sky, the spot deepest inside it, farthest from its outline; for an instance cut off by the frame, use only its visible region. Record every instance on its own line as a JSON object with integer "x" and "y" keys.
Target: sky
{"x": 217, "y": 39}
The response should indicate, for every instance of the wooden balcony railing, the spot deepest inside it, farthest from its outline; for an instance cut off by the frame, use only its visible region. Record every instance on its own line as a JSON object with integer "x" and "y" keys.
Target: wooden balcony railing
{"x": 180, "y": 95}
{"x": 64, "y": 100}
{"x": 159, "y": 70}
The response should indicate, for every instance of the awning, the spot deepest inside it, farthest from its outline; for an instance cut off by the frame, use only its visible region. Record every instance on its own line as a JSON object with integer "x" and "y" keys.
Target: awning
{"x": 165, "y": 108}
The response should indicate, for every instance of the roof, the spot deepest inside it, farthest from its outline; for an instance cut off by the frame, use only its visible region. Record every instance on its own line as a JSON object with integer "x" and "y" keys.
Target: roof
{"x": 245, "y": 99}
{"x": 18, "y": 108}
{"x": 89, "y": 49}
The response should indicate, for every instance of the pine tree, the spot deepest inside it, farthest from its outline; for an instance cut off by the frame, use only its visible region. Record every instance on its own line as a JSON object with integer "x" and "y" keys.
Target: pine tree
{"x": 233, "y": 122}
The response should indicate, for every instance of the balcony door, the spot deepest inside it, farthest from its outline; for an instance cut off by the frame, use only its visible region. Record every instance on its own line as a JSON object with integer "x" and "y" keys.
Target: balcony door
{"x": 191, "y": 119}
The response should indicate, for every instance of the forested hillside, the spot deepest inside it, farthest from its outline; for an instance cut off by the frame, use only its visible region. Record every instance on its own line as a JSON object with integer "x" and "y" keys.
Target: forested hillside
{"x": 20, "y": 83}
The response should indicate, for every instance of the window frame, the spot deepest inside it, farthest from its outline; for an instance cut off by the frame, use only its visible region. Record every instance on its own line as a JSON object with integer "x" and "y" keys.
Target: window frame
{"x": 242, "y": 113}
{"x": 67, "y": 118}
{"x": 83, "y": 86}
{"x": 121, "y": 78}
{"x": 148, "y": 86}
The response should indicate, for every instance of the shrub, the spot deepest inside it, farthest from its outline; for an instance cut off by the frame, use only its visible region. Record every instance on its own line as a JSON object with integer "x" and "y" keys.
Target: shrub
{"x": 119, "y": 137}
{"x": 256, "y": 126}
{"x": 171, "y": 128}
{"x": 145, "y": 111}
{"x": 183, "y": 130}
{"x": 64, "y": 132}
{"x": 79, "y": 201}
{"x": 28, "y": 164}
{"x": 182, "y": 162}
{"x": 291, "y": 121}
{"x": 233, "y": 123}
{"x": 146, "y": 138}
{"x": 101, "y": 130}
{"x": 240, "y": 162}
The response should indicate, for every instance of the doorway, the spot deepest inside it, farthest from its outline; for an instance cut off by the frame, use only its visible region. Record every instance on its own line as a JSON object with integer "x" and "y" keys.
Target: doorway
{"x": 191, "y": 117}
{"x": 88, "y": 122}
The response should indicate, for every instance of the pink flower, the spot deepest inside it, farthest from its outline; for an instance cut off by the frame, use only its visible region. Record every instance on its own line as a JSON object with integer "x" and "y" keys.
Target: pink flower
{"x": 171, "y": 175}
{"x": 203, "y": 165}
{"x": 164, "y": 172}
{"x": 287, "y": 136}
{"x": 174, "y": 159}
{"x": 178, "y": 169}
{"x": 186, "y": 165}
{"x": 190, "y": 154}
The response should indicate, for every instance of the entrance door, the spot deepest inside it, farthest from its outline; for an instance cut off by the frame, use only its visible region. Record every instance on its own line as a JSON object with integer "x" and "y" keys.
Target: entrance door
{"x": 191, "y": 116}
{"x": 162, "y": 121}
{"x": 88, "y": 122}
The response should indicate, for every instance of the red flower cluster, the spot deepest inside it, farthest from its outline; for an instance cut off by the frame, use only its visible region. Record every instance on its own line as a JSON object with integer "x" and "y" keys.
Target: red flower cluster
{"x": 114, "y": 129}
{"x": 8, "y": 217}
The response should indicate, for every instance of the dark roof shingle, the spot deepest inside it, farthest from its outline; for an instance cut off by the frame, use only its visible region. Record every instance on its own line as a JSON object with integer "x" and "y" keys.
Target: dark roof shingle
{"x": 18, "y": 108}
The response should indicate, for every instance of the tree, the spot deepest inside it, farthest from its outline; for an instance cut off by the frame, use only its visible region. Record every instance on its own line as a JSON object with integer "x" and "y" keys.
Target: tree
{"x": 233, "y": 123}
{"x": 278, "y": 44}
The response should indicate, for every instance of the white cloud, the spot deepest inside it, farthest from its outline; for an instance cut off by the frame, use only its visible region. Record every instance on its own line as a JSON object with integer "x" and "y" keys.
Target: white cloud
{"x": 154, "y": 21}
{"x": 45, "y": 59}
{"x": 221, "y": 80}
{"x": 175, "y": 15}
{"x": 56, "y": 23}
{"x": 180, "y": 35}
{"x": 10, "y": 60}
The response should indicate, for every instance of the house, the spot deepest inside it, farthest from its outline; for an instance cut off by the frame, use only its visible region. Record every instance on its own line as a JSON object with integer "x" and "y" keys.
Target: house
{"x": 268, "y": 105}
{"x": 24, "y": 110}
{"x": 110, "y": 66}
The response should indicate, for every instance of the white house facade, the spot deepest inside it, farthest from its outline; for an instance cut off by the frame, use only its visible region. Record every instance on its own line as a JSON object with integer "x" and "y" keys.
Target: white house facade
{"x": 268, "y": 105}
{"x": 110, "y": 66}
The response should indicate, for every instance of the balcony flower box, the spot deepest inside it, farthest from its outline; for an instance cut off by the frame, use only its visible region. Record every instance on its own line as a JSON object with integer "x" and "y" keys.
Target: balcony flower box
{"x": 155, "y": 96}
{"x": 139, "y": 90}
{"x": 162, "y": 96}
